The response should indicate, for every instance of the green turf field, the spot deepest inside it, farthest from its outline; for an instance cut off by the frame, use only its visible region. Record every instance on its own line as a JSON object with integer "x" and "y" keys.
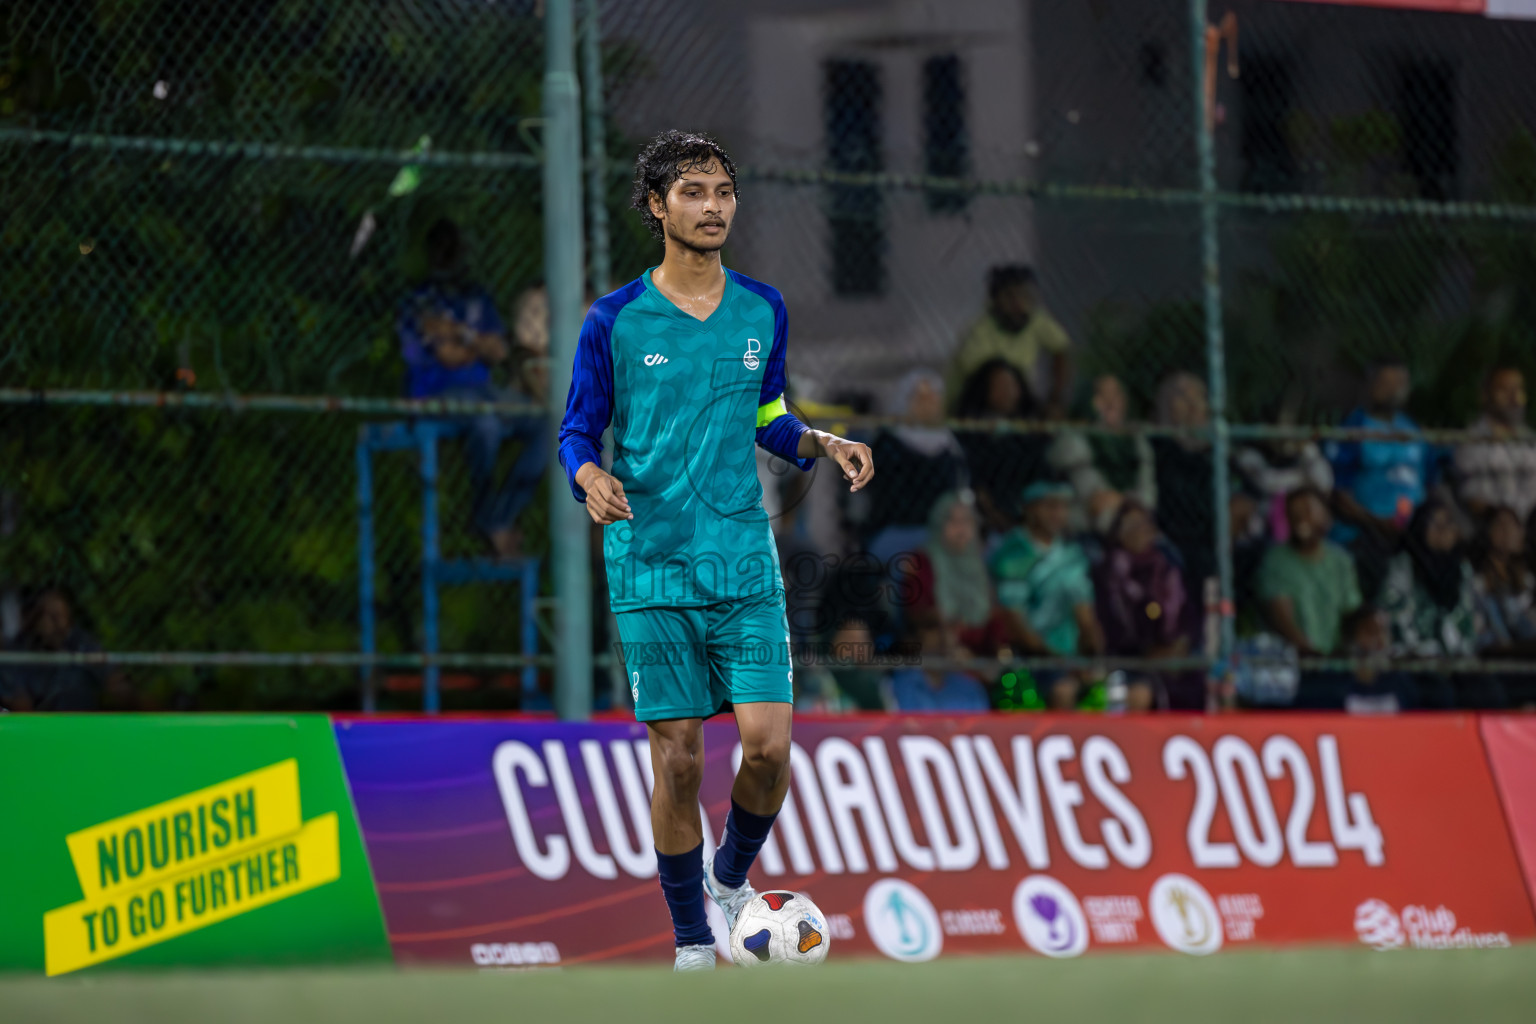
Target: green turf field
{"x": 1238, "y": 988}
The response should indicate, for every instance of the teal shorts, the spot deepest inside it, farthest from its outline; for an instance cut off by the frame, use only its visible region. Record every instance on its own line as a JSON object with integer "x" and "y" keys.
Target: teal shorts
{"x": 697, "y": 662}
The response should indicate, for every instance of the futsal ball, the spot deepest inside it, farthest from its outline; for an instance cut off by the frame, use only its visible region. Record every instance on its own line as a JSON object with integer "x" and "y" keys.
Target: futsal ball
{"x": 778, "y": 927}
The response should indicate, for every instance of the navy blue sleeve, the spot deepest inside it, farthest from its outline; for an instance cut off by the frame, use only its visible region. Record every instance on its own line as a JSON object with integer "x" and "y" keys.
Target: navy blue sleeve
{"x": 778, "y": 430}
{"x": 589, "y": 404}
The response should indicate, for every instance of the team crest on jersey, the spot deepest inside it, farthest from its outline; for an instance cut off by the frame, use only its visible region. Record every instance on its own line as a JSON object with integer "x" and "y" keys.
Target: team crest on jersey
{"x": 750, "y": 359}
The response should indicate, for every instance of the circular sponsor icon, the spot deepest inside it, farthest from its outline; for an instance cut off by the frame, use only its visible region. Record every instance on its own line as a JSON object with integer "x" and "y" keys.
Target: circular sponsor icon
{"x": 1378, "y": 925}
{"x": 901, "y": 921}
{"x": 1185, "y": 915}
{"x": 1049, "y": 917}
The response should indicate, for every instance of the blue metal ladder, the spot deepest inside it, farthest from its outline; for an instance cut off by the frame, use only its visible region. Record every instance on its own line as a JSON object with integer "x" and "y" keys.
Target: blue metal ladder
{"x": 436, "y": 571}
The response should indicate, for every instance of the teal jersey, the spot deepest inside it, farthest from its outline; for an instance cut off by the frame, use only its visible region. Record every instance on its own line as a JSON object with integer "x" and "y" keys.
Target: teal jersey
{"x": 1044, "y": 584}
{"x": 688, "y": 399}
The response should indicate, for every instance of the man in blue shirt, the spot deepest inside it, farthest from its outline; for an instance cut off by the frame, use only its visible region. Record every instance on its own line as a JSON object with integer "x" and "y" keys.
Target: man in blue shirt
{"x": 687, "y": 364}
{"x": 1378, "y": 484}
{"x": 450, "y": 337}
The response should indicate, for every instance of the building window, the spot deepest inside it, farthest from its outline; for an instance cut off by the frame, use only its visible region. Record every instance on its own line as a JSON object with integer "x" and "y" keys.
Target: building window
{"x": 946, "y": 146}
{"x": 852, "y": 102}
{"x": 1269, "y": 164}
{"x": 1426, "y": 111}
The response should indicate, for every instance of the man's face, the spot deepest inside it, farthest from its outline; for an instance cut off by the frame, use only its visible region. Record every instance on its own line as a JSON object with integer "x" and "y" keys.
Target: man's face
{"x": 1048, "y": 516}
{"x": 1013, "y": 304}
{"x": 1308, "y": 519}
{"x": 1506, "y": 397}
{"x": 699, "y": 208}
{"x": 1189, "y": 406}
{"x": 1505, "y": 535}
{"x": 1390, "y": 388}
{"x": 1003, "y": 394}
{"x": 852, "y": 643}
{"x": 1371, "y": 635}
{"x": 53, "y": 622}
{"x": 1440, "y": 533}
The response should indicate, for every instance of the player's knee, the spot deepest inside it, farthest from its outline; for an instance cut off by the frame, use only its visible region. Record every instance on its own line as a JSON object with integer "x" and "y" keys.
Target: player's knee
{"x": 768, "y": 758}
{"x": 680, "y": 767}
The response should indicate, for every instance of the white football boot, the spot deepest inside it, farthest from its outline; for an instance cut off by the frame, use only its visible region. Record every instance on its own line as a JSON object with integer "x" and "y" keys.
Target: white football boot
{"x": 694, "y": 958}
{"x": 730, "y": 900}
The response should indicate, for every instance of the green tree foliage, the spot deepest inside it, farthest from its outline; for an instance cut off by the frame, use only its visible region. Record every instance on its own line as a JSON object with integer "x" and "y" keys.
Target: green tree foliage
{"x": 214, "y": 250}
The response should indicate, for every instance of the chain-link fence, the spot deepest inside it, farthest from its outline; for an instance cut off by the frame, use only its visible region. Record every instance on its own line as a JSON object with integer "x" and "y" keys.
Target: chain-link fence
{"x": 987, "y": 222}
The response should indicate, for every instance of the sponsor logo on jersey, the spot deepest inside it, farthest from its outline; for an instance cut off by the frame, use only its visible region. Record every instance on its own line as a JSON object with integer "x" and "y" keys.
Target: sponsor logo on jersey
{"x": 655, "y": 359}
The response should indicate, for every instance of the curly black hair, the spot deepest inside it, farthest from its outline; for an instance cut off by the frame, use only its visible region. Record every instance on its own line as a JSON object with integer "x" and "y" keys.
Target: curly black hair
{"x": 664, "y": 159}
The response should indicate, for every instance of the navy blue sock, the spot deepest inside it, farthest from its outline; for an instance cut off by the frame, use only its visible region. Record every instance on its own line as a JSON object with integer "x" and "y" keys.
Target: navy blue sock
{"x": 682, "y": 883}
{"x": 744, "y": 836}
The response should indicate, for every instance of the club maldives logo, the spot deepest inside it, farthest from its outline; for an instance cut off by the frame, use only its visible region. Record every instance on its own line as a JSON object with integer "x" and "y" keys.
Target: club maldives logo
{"x": 1378, "y": 926}
{"x": 1049, "y": 918}
{"x": 1185, "y": 915}
{"x": 1421, "y": 927}
{"x": 901, "y": 921}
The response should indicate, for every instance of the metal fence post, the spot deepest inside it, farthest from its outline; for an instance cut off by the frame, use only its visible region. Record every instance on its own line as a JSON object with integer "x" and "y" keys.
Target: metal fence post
{"x": 563, "y": 269}
{"x": 598, "y": 263}
{"x": 1216, "y": 362}
{"x": 365, "y": 586}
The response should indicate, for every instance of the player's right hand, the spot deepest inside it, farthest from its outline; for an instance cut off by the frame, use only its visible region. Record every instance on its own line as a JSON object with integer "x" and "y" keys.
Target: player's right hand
{"x": 605, "y": 495}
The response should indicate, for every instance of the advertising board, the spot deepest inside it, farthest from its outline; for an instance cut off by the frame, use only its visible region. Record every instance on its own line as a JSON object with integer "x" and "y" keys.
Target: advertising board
{"x": 179, "y": 840}
{"x": 522, "y": 842}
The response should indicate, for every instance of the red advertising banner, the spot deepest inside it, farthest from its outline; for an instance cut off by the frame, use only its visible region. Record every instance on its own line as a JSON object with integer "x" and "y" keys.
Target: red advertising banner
{"x": 513, "y": 842}
{"x": 1511, "y": 742}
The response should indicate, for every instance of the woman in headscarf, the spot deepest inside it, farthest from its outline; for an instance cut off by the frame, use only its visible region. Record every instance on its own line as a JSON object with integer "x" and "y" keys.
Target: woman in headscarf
{"x": 1143, "y": 604}
{"x": 1270, "y": 470}
{"x": 1003, "y": 462}
{"x": 1506, "y": 597}
{"x": 951, "y": 588}
{"x": 1105, "y": 469}
{"x": 920, "y": 459}
{"x": 1186, "y": 475}
{"x": 1430, "y": 600}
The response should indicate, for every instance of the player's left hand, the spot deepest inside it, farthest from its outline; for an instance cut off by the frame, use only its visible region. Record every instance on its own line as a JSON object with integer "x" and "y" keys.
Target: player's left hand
{"x": 857, "y": 464}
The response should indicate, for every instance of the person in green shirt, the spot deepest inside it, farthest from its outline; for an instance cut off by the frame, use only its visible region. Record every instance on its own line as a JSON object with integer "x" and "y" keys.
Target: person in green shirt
{"x": 1045, "y": 580}
{"x": 1017, "y": 328}
{"x": 1308, "y": 585}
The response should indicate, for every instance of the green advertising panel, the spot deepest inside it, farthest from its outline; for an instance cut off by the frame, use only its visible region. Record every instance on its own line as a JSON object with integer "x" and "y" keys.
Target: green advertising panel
{"x": 179, "y": 840}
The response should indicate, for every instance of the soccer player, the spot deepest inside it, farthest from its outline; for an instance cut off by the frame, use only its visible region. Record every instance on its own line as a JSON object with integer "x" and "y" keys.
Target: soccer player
{"x": 687, "y": 363}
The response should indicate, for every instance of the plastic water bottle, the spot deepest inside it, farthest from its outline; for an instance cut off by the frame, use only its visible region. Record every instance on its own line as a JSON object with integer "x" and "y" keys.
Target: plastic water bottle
{"x": 1116, "y": 692}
